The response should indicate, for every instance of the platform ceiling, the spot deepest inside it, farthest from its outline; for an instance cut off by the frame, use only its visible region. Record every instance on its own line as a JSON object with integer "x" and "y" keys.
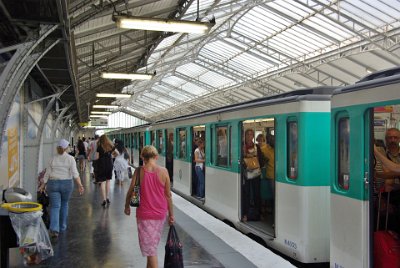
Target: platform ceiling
{"x": 257, "y": 48}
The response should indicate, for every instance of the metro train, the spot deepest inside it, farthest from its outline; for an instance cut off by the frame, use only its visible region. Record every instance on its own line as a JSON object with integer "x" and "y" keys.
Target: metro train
{"x": 321, "y": 208}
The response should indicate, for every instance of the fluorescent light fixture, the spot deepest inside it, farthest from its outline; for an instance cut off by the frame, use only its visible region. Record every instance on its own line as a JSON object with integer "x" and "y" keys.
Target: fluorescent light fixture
{"x": 110, "y": 95}
{"x": 106, "y": 106}
{"x": 99, "y": 112}
{"x": 98, "y": 116}
{"x": 127, "y": 76}
{"x": 163, "y": 25}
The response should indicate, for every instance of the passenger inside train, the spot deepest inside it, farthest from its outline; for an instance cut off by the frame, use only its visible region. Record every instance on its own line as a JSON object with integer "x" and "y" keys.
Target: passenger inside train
{"x": 387, "y": 172}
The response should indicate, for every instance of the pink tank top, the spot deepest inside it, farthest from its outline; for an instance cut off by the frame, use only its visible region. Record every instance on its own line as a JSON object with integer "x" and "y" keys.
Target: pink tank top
{"x": 153, "y": 203}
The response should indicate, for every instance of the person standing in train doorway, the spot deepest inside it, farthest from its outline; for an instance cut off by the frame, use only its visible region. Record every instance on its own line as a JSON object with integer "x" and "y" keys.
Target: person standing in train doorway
{"x": 392, "y": 180}
{"x": 251, "y": 195}
{"x": 155, "y": 202}
{"x": 170, "y": 157}
{"x": 104, "y": 167}
{"x": 268, "y": 171}
{"x": 199, "y": 158}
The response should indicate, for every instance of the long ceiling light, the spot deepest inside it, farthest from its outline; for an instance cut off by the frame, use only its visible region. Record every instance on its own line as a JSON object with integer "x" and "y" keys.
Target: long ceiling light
{"x": 98, "y": 116}
{"x": 99, "y": 112}
{"x": 163, "y": 25}
{"x": 106, "y": 106}
{"x": 110, "y": 95}
{"x": 133, "y": 76}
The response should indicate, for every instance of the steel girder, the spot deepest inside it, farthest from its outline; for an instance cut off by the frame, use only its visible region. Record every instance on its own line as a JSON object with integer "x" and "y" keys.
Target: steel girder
{"x": 18, "y": 69}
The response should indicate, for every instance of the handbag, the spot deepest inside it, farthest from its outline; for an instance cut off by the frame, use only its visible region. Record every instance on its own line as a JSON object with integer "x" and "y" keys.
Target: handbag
{"x": 253, "y": 173}
{"x": 135, "y": 197}
{"x": 130, "y": 172}
{"x": 251, "y": 163}
{"x": 173, "y": 250}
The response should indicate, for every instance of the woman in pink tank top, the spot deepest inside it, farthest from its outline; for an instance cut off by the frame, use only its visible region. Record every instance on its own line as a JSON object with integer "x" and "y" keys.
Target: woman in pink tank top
{"x": 155, "y": 202}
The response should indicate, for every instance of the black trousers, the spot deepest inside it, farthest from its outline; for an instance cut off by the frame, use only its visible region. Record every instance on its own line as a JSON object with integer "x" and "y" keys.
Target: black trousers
{"x": 251, "y": 197}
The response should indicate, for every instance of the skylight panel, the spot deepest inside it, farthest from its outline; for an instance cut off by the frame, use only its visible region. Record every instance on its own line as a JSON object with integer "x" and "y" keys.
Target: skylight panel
{"x": 179, "y": 96}
{"x": 366, "y": 13}
{"x": 174, "y": 81}
{"x": 286, "y": 48}
{"x": 191, "y": 70}
{"x": 192, "y": 88}
{"x": 251, "y": 63}
{"x": 329, "y": 27}
{"x": 215, "y": 80}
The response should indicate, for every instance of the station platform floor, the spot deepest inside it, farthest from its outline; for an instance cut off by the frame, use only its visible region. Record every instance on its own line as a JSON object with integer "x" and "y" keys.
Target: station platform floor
{"x": 106, "y": 237}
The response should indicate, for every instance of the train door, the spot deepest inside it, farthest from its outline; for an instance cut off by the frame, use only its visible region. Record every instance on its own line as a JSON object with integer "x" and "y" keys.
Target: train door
{"x": 169, "y": 159}
{"x": 384, "y": 194}
{"x": 198, "y": 136}
{"x": 258, "y": 174}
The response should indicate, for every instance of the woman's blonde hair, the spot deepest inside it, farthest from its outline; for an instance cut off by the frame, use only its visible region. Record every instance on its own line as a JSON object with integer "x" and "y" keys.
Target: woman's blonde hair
{"x": 148, "y": 152}
{"x": 105, "y": 143}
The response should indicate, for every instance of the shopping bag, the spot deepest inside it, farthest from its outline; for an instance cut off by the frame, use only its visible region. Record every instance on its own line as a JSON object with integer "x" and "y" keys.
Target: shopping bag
{"x": 173, "y": 250}
{"x": 44, "y": 200}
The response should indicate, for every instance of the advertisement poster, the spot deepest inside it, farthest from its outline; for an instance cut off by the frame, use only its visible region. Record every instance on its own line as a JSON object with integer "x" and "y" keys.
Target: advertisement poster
{"x": 10, "y": 155}
{"x": 13, "y": 157}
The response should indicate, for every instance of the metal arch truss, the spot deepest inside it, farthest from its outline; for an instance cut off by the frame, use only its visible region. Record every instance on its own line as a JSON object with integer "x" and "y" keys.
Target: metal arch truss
{"x": 59, "y": 119}
{"x": 18, "y": 69}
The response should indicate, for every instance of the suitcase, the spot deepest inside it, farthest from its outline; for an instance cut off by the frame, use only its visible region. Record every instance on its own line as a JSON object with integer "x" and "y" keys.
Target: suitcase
{"x": 386, "y": 243}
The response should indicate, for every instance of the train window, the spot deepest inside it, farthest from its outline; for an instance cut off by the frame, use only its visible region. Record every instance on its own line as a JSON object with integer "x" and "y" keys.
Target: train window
{"x": 135, "y": 140}
{"x": 344, "y": 152}
{"x": 292, "y": 149}
{"x": 153, "y": 138}
{"x": 182, "y": 143}
{"x": 222, "y": 146}
{"x": 160, "y": 141}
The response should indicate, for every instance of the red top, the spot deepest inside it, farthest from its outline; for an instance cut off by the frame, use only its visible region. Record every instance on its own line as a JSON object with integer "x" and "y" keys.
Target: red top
{"x": 153, "y": 203}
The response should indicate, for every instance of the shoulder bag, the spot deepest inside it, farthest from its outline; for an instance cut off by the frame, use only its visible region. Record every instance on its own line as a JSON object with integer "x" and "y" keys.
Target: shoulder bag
{"x": 135, "y": 197}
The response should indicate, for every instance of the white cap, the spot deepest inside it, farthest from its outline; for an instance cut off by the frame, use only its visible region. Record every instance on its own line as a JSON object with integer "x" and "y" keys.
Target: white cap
{"x": 63, "y": 144}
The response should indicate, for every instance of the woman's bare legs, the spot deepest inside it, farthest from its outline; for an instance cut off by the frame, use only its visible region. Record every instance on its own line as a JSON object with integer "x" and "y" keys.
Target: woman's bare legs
{"x": 152, "y": 262}
{"x": 103, "y": 191}
{"x": 107, "y": 192}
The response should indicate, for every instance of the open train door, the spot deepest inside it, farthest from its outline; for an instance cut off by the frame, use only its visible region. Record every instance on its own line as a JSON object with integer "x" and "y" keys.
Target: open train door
{"x": 369, "y": 182}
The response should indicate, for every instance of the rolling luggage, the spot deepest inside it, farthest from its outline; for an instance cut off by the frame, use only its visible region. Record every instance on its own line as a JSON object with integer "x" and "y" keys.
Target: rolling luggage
{"x": 386, "y": 243}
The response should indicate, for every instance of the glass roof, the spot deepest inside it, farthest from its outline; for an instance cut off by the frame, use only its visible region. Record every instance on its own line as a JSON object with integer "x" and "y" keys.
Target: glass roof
{"x": 256, "y": 48}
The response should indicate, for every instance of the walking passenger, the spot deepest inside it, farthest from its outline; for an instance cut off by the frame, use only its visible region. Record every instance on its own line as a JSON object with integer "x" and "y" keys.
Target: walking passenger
{"x": 92, "y": 156}
{"x": 59, "y": 185}
{"x": 155, "y": 201}
{"x": 199, "y": 158}
{"x": 104, "y": 167}
{"x": 121, "y": 162}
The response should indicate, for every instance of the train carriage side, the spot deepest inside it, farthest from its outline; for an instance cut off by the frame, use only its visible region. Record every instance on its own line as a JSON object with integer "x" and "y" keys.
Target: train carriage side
{"x": 360, "y": 114}
{"x": 301, "y": 226}
{"x": 298, "y": 223}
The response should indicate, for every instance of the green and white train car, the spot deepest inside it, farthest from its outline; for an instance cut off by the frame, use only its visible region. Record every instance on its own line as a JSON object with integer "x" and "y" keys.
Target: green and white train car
{"x": 296, "y": 222}
{"x": 355, "y": 108}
